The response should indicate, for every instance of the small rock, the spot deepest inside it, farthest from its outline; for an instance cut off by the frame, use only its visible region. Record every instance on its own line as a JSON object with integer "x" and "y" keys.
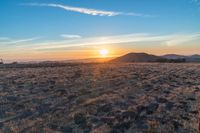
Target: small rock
{"x": 121, "y": 127}
{"x": 191, "y": 99}
{"x": 25, "y": 114}
{"x": 11, "y": 98}
{"x": 183, "y": 102}
{"x": 108, "y": 120}
{"x": 51, "y": 86}
{"x": 176, "y": 124}
{"x": 44, "y": 108}
{"x": 121, "y": 104}
{"x": 142, "y": 125}
{"x": 185, "y": 117}
{"x": 67, "y": 129}
{"x": 194, "y": 112}
{"x": 105, "y": 108}
{"x": 161, "y": 100}
{"x": 19, "y": 106}
{"x": 96, "y": 121}
{"x": 131, "y": 97}
{"x": 53, "y": 126}
{"x": 169, "y": 106}
{"x": 166, "y": 91}
{"x": 61, "y": 92}
{"x": 196, "y": 89}
{"x": 1, "y": 125}
{"x": 71, "y": 97}
{"x": 186, "y": 131}
{"x": 2, "y": 113}
{"x": 151, "y": 108}
{"x": 52, "y": 82}
{"x": 80, "y": 119}
{"x": 140, "y": 109}
{"x": 45, "y": 89}
{"x": 128, "y": 115}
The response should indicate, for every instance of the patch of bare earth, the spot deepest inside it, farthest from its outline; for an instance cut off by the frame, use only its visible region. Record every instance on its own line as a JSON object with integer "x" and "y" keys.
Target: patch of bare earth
{"x": 101, "y": 98}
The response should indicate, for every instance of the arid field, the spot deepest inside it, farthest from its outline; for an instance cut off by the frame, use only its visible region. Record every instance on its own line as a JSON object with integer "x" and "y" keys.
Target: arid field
{"x": 100, "y": 98}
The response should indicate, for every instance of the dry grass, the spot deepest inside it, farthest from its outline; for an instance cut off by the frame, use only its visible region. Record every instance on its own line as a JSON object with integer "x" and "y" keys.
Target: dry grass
{"x": 100, "y": 98}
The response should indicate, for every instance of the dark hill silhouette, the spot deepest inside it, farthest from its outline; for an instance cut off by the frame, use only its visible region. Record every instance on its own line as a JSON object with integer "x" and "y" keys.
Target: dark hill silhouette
{"x": 192, "y": 58}
{"x": 137, "y": 57}
{"x": 195, "y": 56}
{"x": 173, "y": 56}
{"x": 144, "y": 57}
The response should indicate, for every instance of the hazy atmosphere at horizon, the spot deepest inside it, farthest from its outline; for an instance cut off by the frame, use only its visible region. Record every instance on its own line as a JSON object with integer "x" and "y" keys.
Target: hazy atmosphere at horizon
{"x": 65, "y": 29}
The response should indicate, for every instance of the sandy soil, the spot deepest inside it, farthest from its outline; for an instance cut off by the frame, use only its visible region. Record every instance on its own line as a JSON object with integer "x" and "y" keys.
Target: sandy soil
{"x": 101, "y": 98}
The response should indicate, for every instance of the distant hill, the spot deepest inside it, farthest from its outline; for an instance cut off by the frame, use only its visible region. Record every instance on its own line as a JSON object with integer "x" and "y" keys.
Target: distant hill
{"x": 173, "y": 56}
{"x": 137, "y": 57}
{"x": 144, "y": 57}
{"x": 195, "y": 56}
{"x": 192, "y": 58}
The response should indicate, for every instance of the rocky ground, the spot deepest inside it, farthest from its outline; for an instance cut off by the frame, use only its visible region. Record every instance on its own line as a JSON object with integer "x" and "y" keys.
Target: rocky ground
{"x": 101, "y": 98}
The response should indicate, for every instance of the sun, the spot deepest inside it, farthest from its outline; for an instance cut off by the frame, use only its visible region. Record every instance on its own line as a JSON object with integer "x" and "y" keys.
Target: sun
{"x": 103, "y": 52}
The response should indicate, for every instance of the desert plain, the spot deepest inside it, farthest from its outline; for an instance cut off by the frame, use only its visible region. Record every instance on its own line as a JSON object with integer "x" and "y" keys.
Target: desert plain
{"x": 100, "y": 98}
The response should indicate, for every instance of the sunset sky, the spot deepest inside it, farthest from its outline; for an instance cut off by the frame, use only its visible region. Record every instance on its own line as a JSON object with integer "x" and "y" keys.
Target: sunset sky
{"x": 76, "y": 29}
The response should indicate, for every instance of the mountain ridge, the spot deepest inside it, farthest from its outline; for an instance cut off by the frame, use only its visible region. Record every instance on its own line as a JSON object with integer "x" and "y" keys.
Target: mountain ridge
{"x": 145, "y": 57}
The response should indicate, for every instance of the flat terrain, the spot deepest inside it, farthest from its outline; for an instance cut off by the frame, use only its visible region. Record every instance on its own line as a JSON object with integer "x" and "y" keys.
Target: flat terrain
{"x": 101, "y": 98}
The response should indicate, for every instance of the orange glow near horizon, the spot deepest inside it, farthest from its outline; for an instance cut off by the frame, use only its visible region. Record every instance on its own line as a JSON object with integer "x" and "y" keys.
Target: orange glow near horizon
{"x": 100, "y": 51}
{"x": 85, "y": 53}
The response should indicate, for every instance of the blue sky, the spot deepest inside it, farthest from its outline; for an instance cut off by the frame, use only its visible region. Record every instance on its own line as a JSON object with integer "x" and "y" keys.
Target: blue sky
{"x": 60, "y": 26}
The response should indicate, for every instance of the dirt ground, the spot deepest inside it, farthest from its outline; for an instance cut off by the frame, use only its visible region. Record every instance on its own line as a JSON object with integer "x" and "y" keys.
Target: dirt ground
{"x": 101, "y": 98}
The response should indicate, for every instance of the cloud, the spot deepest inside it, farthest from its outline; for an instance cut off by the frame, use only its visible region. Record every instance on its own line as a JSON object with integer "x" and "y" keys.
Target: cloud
{"x": 68, "y": 36}
{"x": 179, "y": 39}
{"x": 4, "y": 38}
{"x": 168, "y": 40}
{"x": 196, "y": 2}
{"x": 88, "y": 11}
{"x": 10, "y": 42}
{"x": 139, "y": 15}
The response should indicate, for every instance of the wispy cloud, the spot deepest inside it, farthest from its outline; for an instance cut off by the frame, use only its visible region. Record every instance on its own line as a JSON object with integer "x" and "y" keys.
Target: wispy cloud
{"x": 4, "y": 38}
{"x": 179, "y": 39}
{"x": 69, "y": 36}
{"x": 10, "y": 41}
{"x": 168, "y": 40}
{"x": 196, "y": 2}
{"x": 89, "y": 11}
